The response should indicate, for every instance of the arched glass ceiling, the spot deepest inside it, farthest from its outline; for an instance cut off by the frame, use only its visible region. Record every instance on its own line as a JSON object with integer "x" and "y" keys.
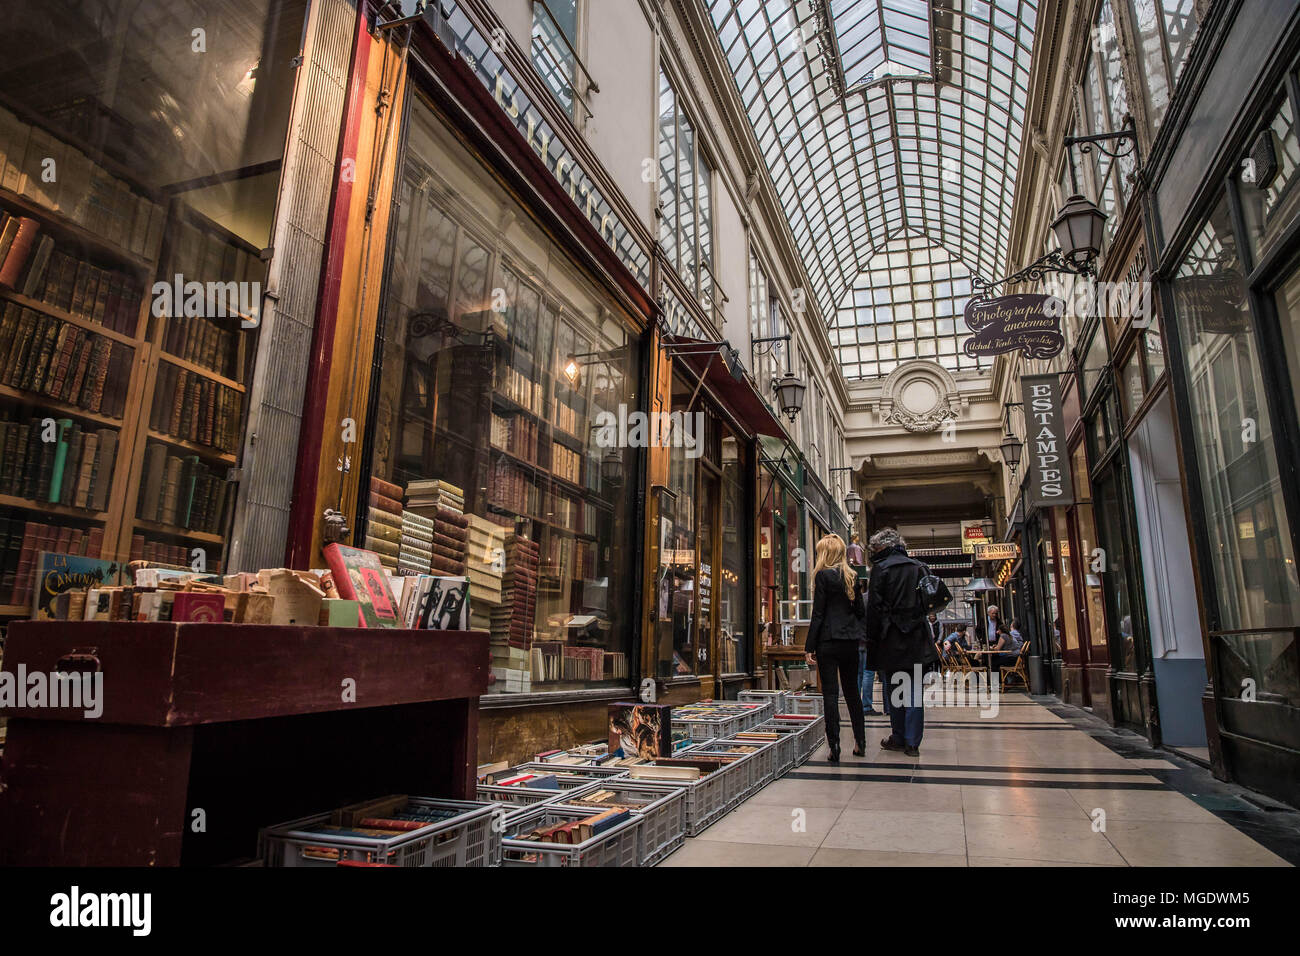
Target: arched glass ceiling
{"x": 859, "y": 149}
{"x": 906, "y": 305}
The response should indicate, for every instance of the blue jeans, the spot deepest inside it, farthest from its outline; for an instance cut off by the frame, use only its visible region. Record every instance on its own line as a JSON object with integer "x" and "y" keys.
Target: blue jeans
{"x": 907, "y": 722}
{"x": 866, "y": 682}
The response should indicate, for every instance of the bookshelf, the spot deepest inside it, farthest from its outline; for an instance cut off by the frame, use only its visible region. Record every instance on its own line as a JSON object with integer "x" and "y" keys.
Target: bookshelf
{"x": 82, "y": 354}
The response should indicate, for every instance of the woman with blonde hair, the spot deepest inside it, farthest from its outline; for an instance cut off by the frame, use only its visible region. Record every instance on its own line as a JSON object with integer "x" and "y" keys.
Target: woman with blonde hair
{"x": 838, "y": 619}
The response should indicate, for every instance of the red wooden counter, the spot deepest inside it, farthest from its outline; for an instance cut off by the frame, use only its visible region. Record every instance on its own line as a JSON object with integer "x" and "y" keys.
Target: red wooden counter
{"x": 246, "y": 723}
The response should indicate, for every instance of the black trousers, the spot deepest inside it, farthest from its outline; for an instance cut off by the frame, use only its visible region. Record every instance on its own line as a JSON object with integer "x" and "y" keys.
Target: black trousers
{"x": 838, "y": 663}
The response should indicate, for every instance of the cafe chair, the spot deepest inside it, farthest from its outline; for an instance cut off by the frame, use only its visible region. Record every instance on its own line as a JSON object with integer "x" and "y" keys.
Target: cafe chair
{"x": 1021, "y": 670}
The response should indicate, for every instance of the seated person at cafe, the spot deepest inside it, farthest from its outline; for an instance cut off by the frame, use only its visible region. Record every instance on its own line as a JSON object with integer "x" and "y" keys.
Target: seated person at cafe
{"x": 956, "y": 637}
{"x": 1008, "y": 645}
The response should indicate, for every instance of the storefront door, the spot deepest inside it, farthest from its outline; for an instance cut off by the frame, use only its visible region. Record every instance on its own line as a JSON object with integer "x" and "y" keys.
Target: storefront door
{"x": 707, "y": 522}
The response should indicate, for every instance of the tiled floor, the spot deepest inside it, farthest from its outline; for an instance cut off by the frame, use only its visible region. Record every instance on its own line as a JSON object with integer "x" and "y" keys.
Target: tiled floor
{"x": 1029, "y": 787}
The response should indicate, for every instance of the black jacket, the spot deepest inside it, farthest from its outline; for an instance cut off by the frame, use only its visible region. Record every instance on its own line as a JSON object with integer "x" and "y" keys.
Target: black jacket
{"x": 896, "y": 627}
{"x": 834, "y": 617}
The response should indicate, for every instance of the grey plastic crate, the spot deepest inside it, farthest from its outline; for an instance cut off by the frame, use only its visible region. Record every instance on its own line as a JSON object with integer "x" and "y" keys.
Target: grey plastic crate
{"x": 617, "y": 846}
{"x": 776, "y": 697}
{"x": 597, "y": 771}
{"x": 812, "y": 733}
{"x": 664, "y": 826}
{"x": 708, "y": 798}
{"x": 786, "y": 744}
{"x": 805, "y": 704}
{"x": 472, "y": 838}
{"x": 706, "y": 728}
{"x": 760, "y": 762}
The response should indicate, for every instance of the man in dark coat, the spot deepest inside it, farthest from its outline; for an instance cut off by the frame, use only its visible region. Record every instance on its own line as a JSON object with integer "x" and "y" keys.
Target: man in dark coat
{"x": 899, "y": 645}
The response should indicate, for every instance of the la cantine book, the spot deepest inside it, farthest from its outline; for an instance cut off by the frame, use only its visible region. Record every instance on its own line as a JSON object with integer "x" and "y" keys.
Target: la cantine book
{"x": 360, "y": 576}
{"x": 56, "y": 573}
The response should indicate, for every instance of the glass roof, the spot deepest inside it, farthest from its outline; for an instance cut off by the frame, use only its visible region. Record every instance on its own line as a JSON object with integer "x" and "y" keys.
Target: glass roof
{"x": 875, "y": 116}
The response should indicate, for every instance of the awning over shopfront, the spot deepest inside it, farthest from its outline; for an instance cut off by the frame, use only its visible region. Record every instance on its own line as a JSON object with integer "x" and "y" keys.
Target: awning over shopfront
{"x": 739, "y": 396}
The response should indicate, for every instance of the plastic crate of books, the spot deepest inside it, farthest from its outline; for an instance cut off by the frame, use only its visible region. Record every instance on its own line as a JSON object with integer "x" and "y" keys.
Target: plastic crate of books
{"x": 539, "y": 783}
{"x": 784, "y": 739}
{"x": 759, "y": 759}
{"x": 596, "y": 771}
{"x": 461, "y": 833}
{"x": 812, "y": 731}
{"x": 807, "y": 704}
{"x": 776, "y": 697}
{"x": 663, "y": 828}
{"x": 617, "y": 846}
{"x": 707, "y": 798}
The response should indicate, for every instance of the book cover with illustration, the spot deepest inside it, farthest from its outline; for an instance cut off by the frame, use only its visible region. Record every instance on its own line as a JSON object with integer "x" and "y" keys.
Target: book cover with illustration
{"x": 641, "y": 730}
{"x": 360, "y": 576}
{"x": 57, "y": 573}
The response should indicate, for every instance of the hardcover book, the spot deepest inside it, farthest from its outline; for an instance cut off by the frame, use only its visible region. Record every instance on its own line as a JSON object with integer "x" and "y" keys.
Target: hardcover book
{"x": 640, "y": 730}
{"x": 60, "y": 573}
{"x": 360, "y": 576}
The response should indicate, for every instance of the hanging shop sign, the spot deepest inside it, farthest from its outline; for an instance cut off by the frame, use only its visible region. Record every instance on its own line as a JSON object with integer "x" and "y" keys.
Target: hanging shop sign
{"x": 1030, "y": 323}
{"x": 997, "y": 552}
{"x": 972, "y": 534}
{"x": 478, "y": 53}
{"x": 1050, "y": 482}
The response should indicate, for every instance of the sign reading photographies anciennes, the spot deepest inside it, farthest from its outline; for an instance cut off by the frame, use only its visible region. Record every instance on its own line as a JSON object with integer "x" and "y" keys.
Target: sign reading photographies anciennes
{"x": 1050, "y": 482}
{"x": 1030, "y": 322}
{"x": 478, "y": 53}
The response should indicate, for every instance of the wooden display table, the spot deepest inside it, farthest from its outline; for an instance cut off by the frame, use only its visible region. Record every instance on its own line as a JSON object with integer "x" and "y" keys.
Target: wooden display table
{"x": 245, "y": 723}
{"x": 776, "y": 654}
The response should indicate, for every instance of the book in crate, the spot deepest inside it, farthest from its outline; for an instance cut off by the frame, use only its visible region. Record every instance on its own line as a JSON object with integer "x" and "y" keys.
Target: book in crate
{"x": 74, "y": 469}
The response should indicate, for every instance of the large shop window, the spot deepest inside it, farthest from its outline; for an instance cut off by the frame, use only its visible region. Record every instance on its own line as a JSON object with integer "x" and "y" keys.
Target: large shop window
{"x": 496, "y": 380}
{"x": 735, "y": 590}
{"x": 1166, "y": 29}
{"x": 1249, "y": 534}
{"x": 135, "y": 148}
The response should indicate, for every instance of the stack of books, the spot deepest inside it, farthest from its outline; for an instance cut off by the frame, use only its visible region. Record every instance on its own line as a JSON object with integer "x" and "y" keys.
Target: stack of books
{"x": 513, "y": 621}
{"x": 485, "y": 567}
{"x": 384, "y": 522}
{"x": 415, "y": 549}
{"x": 427, "y": 495}
{"x": 450, "y": 542}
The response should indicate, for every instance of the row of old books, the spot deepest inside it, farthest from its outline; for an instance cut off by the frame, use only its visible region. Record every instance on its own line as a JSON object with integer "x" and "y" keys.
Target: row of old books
{"x": 509, "y": 487}
{"x": 74, "y": 467}
{"x": 50, "y": 357}
{"x": 517, "y": 435}
{"x": 148, "y": 548}
{"x": 191, "y": 406}
{"x": 199, "y": 254}
{"x": 182, "y": 491}
{"x": 63, "y": 179}
{"x": 566, "y": 463}
{"x": 578, "y": 831}
{"x": 57, "y": 276}
{"x": 520, "y": 389}
{"x": 211, "y": 343}
{"x": 22, "y": 541}
{"x": 566, "y": 418}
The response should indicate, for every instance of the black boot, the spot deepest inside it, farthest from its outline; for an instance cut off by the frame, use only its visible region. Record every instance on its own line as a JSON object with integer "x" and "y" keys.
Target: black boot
{"x": 860, "y": 748}
{"x": 834, "y": 756}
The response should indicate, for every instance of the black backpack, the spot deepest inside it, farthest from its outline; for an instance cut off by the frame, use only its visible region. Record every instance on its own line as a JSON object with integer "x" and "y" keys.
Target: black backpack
{"x": 931, "y": 592}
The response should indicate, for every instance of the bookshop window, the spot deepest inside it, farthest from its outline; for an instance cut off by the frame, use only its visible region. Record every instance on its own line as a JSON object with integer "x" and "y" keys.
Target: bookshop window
{"x": 139, "y": 169}
{"x": 1245, "y": 515}
{"x": 735, "y": 583}
{"x": 493, "y": 456}
{"x": 679, "y": 649}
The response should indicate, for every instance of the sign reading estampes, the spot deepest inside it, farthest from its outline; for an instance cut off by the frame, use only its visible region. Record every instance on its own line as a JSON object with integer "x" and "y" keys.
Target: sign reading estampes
{"x": 1050, "y": 482}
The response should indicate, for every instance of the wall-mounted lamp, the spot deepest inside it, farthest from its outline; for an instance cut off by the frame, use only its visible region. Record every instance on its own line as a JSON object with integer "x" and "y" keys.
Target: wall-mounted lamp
{"x": 853, "y": 505}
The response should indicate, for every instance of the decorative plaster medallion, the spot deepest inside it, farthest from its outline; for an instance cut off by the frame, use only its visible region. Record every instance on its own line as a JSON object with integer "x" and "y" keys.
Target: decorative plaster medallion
{"x": 919, "y": 395}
